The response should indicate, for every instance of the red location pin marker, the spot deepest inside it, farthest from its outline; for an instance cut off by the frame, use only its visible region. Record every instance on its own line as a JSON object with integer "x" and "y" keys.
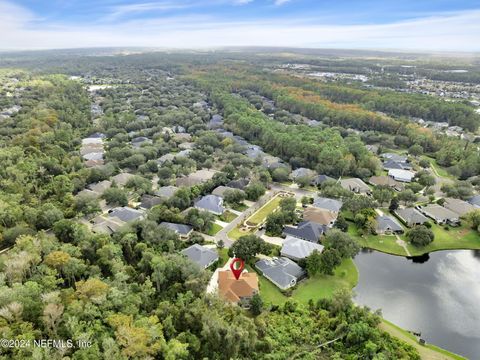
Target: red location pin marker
{"x": 237, "y": 269}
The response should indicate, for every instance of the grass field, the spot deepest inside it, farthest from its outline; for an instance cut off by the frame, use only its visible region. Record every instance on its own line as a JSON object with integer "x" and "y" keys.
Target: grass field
{"x": 240, "y": 207}
{"x": 440, "y": 170}
{"x": 259, "y": 216}
{"x": 455, "y": 238}
{"x": 235, "y": 233}
{"x": 318, "y": 287}
{"x": 427, "y": 352}
{"x": 215, "y": 228}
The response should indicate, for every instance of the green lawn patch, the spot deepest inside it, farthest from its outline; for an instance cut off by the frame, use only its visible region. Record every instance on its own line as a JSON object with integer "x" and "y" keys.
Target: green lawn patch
{"x": 259, "y": 216}
{"x": 222, "y": 257}
{"x": 227, "y": 217}
{"x": 240, "y": 207}
{"x": 235, "y": 233}
{"x": 440, "y": 170}
{"x": 315, "y": 288}
{"x": 214, "y": 229}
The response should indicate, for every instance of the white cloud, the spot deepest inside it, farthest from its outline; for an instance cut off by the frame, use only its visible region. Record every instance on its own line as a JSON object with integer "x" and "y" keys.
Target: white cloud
{"x": 129, "y": 9}
{"x": 454, "y": 31}
{"x": 281, "y": 2}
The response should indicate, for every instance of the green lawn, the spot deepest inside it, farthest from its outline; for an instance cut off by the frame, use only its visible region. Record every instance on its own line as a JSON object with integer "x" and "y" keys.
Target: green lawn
{"x": 259, "y": 216}
{"x": 318, "y": 287}
{"x": 227, "y": 217}
{"x": 235, "y": 233}
{"x": 222, "y": 257}
{"x": 427, "y": 352}
{"x": 240, "y": 207}
{"x": 455, "y": 238}
{"x": 440, "y": 170}
{"x": 215, "y": 228}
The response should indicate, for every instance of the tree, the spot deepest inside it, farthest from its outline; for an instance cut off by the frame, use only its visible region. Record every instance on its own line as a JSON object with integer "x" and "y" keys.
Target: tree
{"x": 256, "y": 305}
{"x": 343, "y": 243}
{"x": 115, "y": 196}
{"x": 407, "y": 196}
{"x": 383, "y": 194}
{"x": 48, "y": 215}
{"x": 247, "y": 247}
{"x": 280, "y": 174}
{"x": 415, "y": 150}
{"x": 200, "y": 220}
{"x": 234, "y": 196}
{"x": 473, "y": 217}
{"x": 420, "y": 236}
{"x": 341, "y": 223}
{"x": 314, "y": 263}
{"x": 274, "y": 223}
{"x": 393, "y": 204}
{"x": 329, "y": 260}
{"x": 287, "y": 207}
{"x": 303, "y": 181}
{"x": 86, "y": 204}
{"x": 255, "y": 190}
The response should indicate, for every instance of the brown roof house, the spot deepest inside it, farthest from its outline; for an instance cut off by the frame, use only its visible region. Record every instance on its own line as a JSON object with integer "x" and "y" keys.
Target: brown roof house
{"x": 238, "y": 291}
{"x": 320, "y": 216}
{"x": 196, "y": 178}
{"x": 386, "y": 181}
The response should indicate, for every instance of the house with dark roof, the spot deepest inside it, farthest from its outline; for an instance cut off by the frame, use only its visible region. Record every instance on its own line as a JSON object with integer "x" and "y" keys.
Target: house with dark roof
{"x": 394, "y": 157}
{"x": 238, "y": 184}
{"x": 411, "y": 216}
{"x": 149, "y": 201}
{"x": 210, "y": 203}
{"x": 282, "y": 272}
{"x": 238, "y": 291}
{"x": 201, "y": 255}
{"x": 306, "y": 230}
{"x": 458, "y": 206}
{"x": 140, "y": 141}
{"x": 301, "y": 173}
{"x": 440, "y": 214}
{"x": 388, "y": 225}
{"x": 475, "y": 201}
{"x": 126, "y": 214}
{"x": 297, "y": 249}
{"x": 396, "y": 165}
{"x": 328, "y": 204}
{"x": 181, "y": 230}
{"x": 320, "y": 179}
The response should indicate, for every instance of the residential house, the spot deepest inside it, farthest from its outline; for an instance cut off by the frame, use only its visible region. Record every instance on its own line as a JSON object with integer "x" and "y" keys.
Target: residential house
{"x": 181, "y": 230}
{"x": 149, "y": 201}
{"x": 196, "y": 178}
{"x": 320, "y": 179}
{"x": 166, "y": 157}
{"x": 320, "y": 216}
{"x": 283, "y": 272}
{"x": 99, "y": 187}
{"x": 122, "y": 179}
{"x": 388, "y": 225}
{"x": 328, "y": 204}
{"x": 475, "y": 201}
{"x": 401, "y": 175}
{"x": 394, "y": 157}
{"x": 440, "y": 214}
{"x": 397, "y": 165}
{"x": 458, "y": 206}
{"x": 238, "y": 291}
{"x": 126, "y": 214}
{"x": 238, "y": 184}
{"x": 140, "y": 141}
{"x": 297, "y": 249}
{"x": 184, "y": 153}
{"x": 355, "y": 185}
{"x": 411, "y": 216}
{"x": 386, "y": 181}
{"x": 306, "y": 230}
{"x": 210, "y": 203}
{"x": 201, "y": 255}
{"x": 302, "y": 173}
{"x": 166, "y": 192}
{"x": 93, "y": 155}
{"x": 215, "y": 122}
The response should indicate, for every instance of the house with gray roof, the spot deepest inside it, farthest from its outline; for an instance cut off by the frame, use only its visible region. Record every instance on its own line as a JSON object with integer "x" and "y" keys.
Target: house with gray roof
{"x": 458, "y": 206}
{"x": 182, "y": 230}
{"x": 210, "y": 203}
{"x": 140, "y": 141}
{"x": 99, "y": 187}
{"x": 394, "y": 157}
{"x": 475, "y": 201}
{"x": 166, "y": 192}
{"x": 396, "y": 165}
{"x": 149, "y": 201}
{"x": 238, "y": 184}
{"x": 164, "y": 158}
{"x": 440, "y": 214}
{"x": 93, "y": 155}
{"x": 297, "y": 249}
{"x": 122, "y": 178}
{"x": 388, "y": 225}
{"x": 355, "y": 185}
{"x": 328, "y": 204}
{"x": 196, "y": 178}
{"x": 282, "y": 271}
{"x": 320, "y": 179}
{"x": 411, "y": 216}
{"x": 126, "y": 214}
{"x": 401, "y": 175}
{"x": 306, "y": 230}
{"x": 200, "y": 255}
{"x": 301, "y": 173}
{"x": 220, "y": 190}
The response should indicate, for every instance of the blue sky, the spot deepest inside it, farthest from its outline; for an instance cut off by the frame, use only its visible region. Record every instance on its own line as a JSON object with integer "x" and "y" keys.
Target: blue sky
{"x": 371, "y": 24}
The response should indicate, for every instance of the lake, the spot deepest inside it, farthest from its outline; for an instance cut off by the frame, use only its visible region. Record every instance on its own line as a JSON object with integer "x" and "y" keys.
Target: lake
{"x": 437, "y": 295}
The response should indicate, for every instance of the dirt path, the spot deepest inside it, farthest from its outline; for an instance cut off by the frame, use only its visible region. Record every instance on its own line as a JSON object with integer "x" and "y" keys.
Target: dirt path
{"x": 402, "y": 243}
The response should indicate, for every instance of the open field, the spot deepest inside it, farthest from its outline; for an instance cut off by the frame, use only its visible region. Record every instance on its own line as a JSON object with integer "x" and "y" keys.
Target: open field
{"x": 215, "y": 228}
{"x": 259, "y": 216}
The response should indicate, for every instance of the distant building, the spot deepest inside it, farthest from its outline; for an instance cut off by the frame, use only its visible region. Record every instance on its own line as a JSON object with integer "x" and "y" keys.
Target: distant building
{"x": 196, "y": 178}
{"x": 411, "y": 216}
{"x": 182, "y": 230}
{"x": 210, "y": 203}
{"x": 440, "y": 214}
{"x": 458, "y": 206}
{"x": 166, "y": 192}
{"x": 149, "y": 201}
{"x": 388, "y": 225}
{"x": 401, "y": 175}
{"x": 355, "y": 185}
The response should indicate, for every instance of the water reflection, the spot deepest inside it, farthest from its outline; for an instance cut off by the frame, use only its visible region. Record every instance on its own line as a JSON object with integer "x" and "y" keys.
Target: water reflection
{"x": 439, "y": 298}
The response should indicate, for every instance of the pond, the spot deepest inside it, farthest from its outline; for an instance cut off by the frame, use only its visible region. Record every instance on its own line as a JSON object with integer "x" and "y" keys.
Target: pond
{"x": 437, "y": 295}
